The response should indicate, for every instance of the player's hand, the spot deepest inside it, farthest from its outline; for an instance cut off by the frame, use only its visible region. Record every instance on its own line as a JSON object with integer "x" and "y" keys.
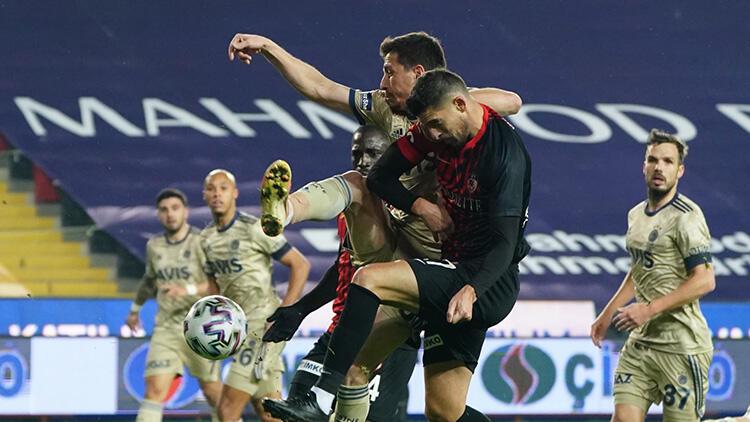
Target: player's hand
{"x": 599, "y": 329}
{"x": 284, "y": 323}
{"x": 435, "y": 216}
{"x": 133, "y": 321}
{"x": 461, "y": 305}
{"x": 632, "y": 316}
{"x": 243, "y": 46}
{"x": 173, "y": 290}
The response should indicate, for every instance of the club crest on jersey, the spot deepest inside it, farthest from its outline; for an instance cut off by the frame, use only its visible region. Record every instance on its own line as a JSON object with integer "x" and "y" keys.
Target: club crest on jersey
{"x": 472, "y": 183}
{"x": 186, "y": 254}
{"x": 235, "y": 244}
{"x": 365, "y": 101}
{"x": 654, "y": 234}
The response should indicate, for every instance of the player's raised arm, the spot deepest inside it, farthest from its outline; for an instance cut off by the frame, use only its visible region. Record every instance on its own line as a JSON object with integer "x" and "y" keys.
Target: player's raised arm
{"x": 505, "y": 103}
{"x": 303, "y": 77}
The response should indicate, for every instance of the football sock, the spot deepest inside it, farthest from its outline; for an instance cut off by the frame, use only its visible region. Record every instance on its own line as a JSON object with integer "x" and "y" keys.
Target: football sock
{"x": 352, "y": 403}
{"x": 349, "y": 336}
{"x": 322, "y": 200}
{"x": 150, "y": 411}
{"x": 302, "y": 380}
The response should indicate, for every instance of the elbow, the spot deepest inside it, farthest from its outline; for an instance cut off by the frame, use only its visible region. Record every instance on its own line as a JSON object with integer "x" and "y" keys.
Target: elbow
{"x": 302, "y": 265}
{"x": 515, "y": 103}
{"x": 710, "y": 284}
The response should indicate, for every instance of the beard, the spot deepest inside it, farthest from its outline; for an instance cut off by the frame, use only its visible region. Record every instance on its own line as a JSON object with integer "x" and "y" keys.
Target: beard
{"x": 655, "y": 195}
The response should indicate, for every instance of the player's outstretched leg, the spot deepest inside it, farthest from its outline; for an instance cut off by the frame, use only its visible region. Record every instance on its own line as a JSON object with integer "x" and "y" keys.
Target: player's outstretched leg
{"x": 393, "y": 283}
{"x": 274, "y": 191}
{"x": 321, "y": 200}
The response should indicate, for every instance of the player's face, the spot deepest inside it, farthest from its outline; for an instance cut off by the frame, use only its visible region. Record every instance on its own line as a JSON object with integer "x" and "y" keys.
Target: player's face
{"x": 397, "y": 82}
{"x": 447, "y": 124}
{"x": 662, "y": 168}
{"x": 220, "y": 194}
{"x": 172, "y": 214}
{"x": 366, "y": 150}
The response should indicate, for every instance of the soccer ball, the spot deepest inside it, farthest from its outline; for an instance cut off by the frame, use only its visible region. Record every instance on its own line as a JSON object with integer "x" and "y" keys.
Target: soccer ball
{"x": 215, "y": 327}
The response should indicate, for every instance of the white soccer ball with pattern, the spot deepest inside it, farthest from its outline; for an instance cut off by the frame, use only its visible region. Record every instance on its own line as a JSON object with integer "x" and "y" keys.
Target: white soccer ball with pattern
{"x": 215, "y": 327}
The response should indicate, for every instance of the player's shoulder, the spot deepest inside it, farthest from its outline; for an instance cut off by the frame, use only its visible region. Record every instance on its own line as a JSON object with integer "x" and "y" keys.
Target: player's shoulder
{"x": 209, "y": 230}
{"x": 246, "y": 219}
{"x": 685, "y": 205}
{"x": 686, "y": 210}
{"x": 637, "y": 209}
{"x": 503, "y": 141}
{"x": 156, "y": 241}
{"x": 194, "y": 234}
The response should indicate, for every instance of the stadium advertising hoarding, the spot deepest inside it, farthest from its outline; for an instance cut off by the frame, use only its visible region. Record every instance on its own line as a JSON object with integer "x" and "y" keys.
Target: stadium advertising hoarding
{"x": 106, "y": 317}
{"x": 543, "y": 376}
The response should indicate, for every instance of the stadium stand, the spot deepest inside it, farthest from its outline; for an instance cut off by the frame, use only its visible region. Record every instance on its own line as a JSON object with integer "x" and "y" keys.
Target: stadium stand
{"x": 39, "y": 255}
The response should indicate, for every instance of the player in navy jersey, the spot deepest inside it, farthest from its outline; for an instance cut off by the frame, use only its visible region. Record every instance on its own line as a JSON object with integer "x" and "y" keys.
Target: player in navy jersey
{"x": 388, "y": 388}
{"x": 484, "y": 174}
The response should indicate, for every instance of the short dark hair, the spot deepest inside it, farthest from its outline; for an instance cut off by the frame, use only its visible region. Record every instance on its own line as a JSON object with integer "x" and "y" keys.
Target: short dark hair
{"x": 658, "y": 136}
{"x": 431, "y": 89}
{"x": 171, "y": 193}
{"x": 415, "y": 48}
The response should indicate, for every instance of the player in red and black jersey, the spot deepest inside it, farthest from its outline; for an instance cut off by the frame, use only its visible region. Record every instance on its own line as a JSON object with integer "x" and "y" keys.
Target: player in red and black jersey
{"x": 389, "y": 387}
{"x": 484, "y": 173}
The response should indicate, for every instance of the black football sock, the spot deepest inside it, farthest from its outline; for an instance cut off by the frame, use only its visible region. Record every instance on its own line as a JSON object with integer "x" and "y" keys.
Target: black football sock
{"x": 348, "y": 337}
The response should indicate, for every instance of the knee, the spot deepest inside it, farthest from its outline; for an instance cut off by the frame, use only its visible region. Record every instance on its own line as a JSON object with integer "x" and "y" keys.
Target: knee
{"x": 368, "y": 278}
{"x": 356, "y": 180}
{"x": 156, "y": 391}
{"x": 443, "y": 410}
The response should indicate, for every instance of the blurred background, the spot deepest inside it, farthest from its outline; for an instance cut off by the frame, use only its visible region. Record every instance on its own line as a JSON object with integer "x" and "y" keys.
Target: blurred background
{"x": 102, "y": 104}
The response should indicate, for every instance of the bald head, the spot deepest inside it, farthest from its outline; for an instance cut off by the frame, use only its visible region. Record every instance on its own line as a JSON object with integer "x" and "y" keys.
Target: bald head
{"x": 217, "y": 172}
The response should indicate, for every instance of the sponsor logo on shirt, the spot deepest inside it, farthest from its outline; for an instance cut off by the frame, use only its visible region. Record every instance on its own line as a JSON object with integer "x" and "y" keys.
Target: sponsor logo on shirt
{"x": 365, "y": 102}
{"x": 172, "y": 273}
{"x": 224, "y": 266}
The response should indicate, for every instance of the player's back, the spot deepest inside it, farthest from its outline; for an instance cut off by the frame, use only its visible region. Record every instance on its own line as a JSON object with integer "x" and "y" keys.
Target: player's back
{"x": 664, "y": 246}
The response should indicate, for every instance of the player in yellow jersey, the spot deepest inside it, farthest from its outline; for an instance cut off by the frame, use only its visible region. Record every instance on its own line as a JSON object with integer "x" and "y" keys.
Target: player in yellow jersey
{"x": 239, "y": 264}
{"x": 669, "y": 350}
{"x": 174, "y": 272}
{"x": 405, "y": 58}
